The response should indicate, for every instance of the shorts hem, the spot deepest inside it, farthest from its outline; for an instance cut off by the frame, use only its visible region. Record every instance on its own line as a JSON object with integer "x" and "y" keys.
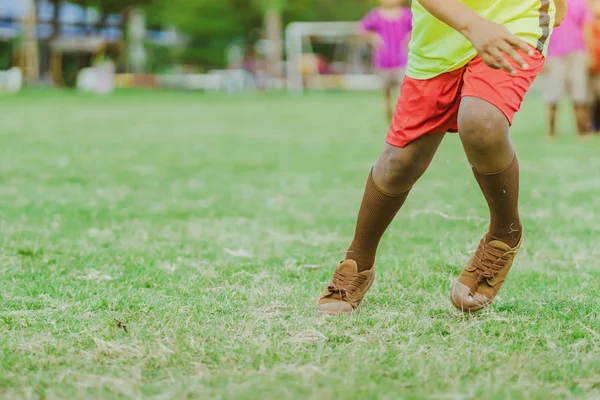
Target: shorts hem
{"x": 507, "y": 114}
{"x": 397, "y": 143}
{"x": 393, "y": 139}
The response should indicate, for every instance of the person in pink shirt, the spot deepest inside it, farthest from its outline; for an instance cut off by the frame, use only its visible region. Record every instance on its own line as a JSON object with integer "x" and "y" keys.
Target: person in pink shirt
{"x": 388, "y": 28}
{"x": 570, "y": 57}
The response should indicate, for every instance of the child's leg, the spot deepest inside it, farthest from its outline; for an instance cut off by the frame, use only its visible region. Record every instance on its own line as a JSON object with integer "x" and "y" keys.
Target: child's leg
{"x": 424, "y": 109}
{"x": 391, "y": 81}
{"x": 582, "y": 118}
{"x": 408, "y": 153}
{"x": 389, "y": 84}
{"x": 554, "y": 89}
{"x": 580, "y": 91}
{"x": 552, "y": 111}
{"x": 387, "y": 102}
{"x": 490, "y": 100}
{"x": 387, "y": 188}
{"x": 596, "y": 115}
{"x": 595, "y": 106}
{"x": 484, "y": 134}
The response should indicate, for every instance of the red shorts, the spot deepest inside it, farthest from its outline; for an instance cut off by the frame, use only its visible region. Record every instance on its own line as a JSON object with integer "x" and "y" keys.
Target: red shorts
{"x": 431, "y": 106}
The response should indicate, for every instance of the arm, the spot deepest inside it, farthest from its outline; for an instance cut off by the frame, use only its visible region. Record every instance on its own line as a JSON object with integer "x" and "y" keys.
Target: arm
{"x": 492, "y": 41}
{"x": 561, "y": 11}
{"x": 367, "y": 29}
{"x": 454, "y": 13}
{"x": 372, "y": 37}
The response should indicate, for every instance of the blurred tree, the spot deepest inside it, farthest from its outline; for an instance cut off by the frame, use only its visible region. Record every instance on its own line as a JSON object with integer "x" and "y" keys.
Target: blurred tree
{"x": 123, "y": 8}
{"x": 273, "y": 26}
{"x": 112, "y": 6}
{"x": 317, "y": 10}
{"x": 211, "y": 25}
{"x": 55, "y": 22}
{"x": 108, "y": 7}
{"x": 29, "y": 46}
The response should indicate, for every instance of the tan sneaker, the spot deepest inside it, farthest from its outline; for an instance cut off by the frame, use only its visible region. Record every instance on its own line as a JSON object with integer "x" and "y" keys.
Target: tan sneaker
{"x": 481, "y": 281}
{"x": 346, "y": 290}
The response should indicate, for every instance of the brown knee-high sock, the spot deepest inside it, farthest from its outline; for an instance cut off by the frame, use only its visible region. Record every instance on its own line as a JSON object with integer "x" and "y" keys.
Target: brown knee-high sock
{"x": 501, "y": 191}
{"x": 377, "y": 211}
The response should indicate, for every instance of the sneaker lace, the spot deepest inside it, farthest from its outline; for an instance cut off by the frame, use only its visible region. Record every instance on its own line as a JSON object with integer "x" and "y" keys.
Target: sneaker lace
{"x": 344, "y": 285}
{"x": 489, "y": 261}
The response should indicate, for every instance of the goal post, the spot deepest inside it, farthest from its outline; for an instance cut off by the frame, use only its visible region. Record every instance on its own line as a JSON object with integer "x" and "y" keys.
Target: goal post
{"x": 295, "y": 38}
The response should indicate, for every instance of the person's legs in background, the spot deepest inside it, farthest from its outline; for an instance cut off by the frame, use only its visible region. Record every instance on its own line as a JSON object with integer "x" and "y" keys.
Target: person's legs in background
{"x": 388, "y": 104}
{"x": 582, "y": 117}
{"x": 595, "y": 110}
{"x": 554, "y": 89}
{"x": 595, "y": 107}
{"x": 578, "y": 77}
{"x": 391, "y": 79}
{"x": 388, "y": 82}
{"x": 552, "y": 111}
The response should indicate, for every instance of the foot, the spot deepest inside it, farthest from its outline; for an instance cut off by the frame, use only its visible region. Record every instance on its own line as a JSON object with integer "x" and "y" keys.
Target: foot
{"x": 346, "y": 290}
{"x": 480, "y": 282}
{"x": 583, "y": 133}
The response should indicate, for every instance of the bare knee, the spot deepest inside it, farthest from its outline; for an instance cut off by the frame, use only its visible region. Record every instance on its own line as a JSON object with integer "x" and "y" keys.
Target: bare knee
{"x": 483, "y": 128}
{"x": 398, "y": 169}
{"x": 484, "y": 134}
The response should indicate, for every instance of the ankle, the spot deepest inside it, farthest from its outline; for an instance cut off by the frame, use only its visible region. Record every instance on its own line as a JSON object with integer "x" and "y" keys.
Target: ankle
{"x": 364, "y": 261}
{"x": 511, "y": 237}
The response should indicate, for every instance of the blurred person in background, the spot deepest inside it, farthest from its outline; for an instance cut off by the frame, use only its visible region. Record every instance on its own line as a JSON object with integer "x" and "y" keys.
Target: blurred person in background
{"x": 570, "y": 56}
{"x": 250, "y": 64}
{"x": 595, "y": 70}
{"x": 388, "y": 28}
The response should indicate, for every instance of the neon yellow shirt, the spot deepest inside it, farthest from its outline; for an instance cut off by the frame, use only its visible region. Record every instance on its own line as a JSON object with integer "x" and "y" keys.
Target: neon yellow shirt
{"x": 436, "y": 48}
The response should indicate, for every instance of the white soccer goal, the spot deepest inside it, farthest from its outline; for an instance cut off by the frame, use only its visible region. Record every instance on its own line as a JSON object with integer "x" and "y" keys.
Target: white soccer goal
{"x": 354, "y": 74}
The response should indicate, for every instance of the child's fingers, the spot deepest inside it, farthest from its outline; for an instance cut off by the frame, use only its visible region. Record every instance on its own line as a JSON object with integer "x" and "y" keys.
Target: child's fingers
{"x": 518, "y": 44}
{"x": 502, "y": 61}
{"x": 512, "y": 53}
{"x": 489, "y": 60}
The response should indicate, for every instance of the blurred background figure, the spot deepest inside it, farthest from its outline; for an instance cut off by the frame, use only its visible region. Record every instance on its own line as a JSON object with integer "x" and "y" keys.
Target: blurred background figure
{"x": 11, "y": 80}
{"x": 248, "y": 63}
{"x": 388, "y": 29}
{"x": 570, "y": 56}
{"x": 98, "y": 79}
{"x": 595, "y": 68}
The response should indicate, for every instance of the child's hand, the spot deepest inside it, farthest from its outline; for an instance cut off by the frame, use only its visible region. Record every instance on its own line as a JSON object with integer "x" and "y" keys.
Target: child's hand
{"x": 376, "y": 40}
{"x": 493, "y": 42}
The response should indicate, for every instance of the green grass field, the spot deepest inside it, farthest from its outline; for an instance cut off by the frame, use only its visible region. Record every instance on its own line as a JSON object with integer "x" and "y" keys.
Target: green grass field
{"x": 208, "y": 225}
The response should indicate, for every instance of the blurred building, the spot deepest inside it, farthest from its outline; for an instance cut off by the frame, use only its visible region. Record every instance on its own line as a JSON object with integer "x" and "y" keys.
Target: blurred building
{"x": 73, "y": 20}
{"x": 76, "y": 26}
